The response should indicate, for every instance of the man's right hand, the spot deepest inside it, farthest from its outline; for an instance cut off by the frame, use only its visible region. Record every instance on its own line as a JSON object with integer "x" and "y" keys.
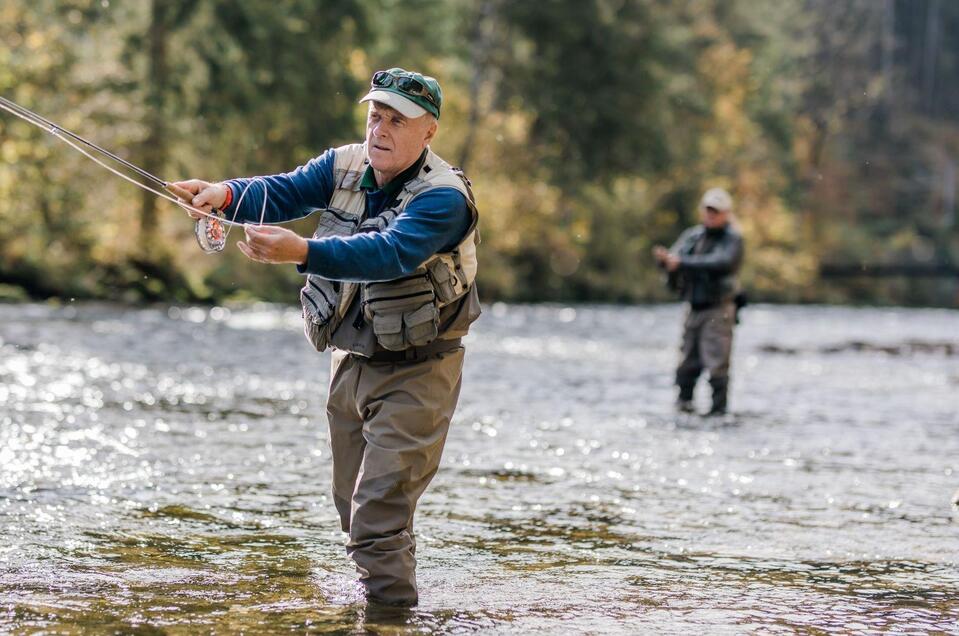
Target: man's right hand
{"x": 206, "y": 196}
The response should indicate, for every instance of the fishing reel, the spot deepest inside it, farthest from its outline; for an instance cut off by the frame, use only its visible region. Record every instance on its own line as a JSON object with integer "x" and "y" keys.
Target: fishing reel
{"x": 209, "y": 230}
{"x": 210, "y": 233}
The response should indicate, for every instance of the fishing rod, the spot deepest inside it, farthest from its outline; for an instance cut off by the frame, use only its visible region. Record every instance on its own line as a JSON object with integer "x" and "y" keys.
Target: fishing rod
{"x": 209, "y": 228}
{"x": 54, "y": 128}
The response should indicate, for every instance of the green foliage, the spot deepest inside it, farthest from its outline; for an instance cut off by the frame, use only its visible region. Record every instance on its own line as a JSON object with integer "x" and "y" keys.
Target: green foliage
{"x": 589, "y": 129}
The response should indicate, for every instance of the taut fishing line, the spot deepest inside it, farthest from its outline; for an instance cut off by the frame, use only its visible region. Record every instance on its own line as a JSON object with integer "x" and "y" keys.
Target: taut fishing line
{"x": 209, "y": 228}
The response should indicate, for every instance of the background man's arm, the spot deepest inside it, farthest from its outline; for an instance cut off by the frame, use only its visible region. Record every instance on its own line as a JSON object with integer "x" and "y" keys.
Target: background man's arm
{"x": 681, "y": 241}
{"x": 725, "y": 258}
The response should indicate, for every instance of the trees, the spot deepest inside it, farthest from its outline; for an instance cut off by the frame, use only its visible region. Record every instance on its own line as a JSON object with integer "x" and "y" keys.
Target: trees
{"x": 589, "y": 129}
{"x": 182, "y": 88}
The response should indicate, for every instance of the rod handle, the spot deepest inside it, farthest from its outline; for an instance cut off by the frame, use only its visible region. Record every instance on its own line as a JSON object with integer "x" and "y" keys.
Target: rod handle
{"x": 179, "y": 192}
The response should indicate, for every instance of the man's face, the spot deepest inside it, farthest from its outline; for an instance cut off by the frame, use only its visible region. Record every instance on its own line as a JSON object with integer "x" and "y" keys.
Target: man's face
{"x": 714, "y": 218}
{"x": 394, "y": 141}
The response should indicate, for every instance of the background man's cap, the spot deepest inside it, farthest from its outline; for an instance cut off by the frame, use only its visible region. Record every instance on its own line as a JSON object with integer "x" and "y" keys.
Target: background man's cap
{"x": 717, "y": 198}
{"x": 412, "y": 94}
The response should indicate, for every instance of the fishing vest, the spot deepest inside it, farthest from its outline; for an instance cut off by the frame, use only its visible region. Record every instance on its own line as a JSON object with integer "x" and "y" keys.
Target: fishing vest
{"x": 436, "y": 301}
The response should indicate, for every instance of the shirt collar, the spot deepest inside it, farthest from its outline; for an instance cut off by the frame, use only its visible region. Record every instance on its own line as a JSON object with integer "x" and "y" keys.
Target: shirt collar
{"x": 368, "y": 182}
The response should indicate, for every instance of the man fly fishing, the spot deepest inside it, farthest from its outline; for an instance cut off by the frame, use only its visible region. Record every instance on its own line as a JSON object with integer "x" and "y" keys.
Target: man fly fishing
{"x": 703, "y": 264}
{"x": 389, "y": 286}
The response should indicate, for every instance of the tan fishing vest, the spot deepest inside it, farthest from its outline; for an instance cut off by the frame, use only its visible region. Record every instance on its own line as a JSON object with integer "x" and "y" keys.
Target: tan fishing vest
{"x": 437, "y": 301}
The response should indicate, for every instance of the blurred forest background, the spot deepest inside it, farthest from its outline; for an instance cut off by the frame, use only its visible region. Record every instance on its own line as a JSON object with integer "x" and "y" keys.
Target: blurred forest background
{"x": 589, "y": 129}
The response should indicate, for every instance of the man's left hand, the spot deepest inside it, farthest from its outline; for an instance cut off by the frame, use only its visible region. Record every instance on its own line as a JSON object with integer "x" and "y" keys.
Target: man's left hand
{"x": 268, "y": 244}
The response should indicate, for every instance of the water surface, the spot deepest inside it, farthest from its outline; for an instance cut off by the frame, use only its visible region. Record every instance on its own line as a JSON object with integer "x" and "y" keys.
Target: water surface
{"x": 166, "y": 470}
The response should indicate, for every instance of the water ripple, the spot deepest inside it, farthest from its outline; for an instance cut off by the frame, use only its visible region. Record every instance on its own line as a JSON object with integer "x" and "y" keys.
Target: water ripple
{"x": 166, "y": 470}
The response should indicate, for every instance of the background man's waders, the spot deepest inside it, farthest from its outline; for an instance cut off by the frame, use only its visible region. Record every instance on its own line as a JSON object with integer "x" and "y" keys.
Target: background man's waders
{"x": 703, "y": 265}
{"x": 388, "y": 425}
{"x": 707, "y": 345}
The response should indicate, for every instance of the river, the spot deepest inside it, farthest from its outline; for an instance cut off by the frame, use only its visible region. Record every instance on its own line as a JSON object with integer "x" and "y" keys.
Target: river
{"x": 166, "y": 470}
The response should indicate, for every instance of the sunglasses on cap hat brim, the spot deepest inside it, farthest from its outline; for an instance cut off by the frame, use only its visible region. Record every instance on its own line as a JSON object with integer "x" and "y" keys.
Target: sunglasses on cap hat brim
{"x": 409, "y": 85}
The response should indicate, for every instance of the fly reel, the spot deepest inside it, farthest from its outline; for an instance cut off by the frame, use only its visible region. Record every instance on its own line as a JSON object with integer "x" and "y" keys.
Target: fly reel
{"x": 210, "y": 233}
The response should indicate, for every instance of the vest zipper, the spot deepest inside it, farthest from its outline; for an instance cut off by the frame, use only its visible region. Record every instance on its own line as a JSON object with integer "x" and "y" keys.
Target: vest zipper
{"x": 312, "y": 302}
{"x": 322, "y": 293}
{"x": 342, "y": 217}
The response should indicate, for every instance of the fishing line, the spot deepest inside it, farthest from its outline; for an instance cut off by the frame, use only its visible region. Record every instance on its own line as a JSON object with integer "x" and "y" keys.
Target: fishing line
{"x": 52, "y": 128}
{"x": 265, "y": 197}
{"x": 32, "y": 118}
{"x": 209, "y": 230}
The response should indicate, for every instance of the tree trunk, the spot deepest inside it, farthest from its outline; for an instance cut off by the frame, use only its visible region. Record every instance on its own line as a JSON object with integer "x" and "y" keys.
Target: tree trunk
{"x": 949, "y": 193}
{"x": 154, "y": 147}
{"x": 888, "y": 48}
{"x": 482, "y": 42}
{"x": 931, "y": 56}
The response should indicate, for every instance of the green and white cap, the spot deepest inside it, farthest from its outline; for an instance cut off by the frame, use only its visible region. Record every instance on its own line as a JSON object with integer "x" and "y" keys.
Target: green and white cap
{"x": 412, "y": 94}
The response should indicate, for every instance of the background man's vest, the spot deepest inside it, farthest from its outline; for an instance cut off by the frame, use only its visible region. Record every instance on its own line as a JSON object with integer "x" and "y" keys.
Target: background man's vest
{"x": 437, "y": 301}
{"x": 704, "y": 288}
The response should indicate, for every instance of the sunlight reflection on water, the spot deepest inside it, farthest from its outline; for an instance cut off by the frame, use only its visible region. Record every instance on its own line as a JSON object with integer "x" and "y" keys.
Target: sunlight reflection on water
{"x": 168, "y": 468}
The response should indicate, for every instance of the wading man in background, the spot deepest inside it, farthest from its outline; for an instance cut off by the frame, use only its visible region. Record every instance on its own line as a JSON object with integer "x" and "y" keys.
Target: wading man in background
{"x": 389, "y": 286}
{"x": 702, "y": 266}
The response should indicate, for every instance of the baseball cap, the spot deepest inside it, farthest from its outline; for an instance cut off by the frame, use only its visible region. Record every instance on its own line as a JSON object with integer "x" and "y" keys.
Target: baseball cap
{"x": 412, "y": 94}
{"x": 717, "y": 198}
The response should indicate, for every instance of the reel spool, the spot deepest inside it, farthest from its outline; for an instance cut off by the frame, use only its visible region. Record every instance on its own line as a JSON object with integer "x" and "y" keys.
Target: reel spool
{"x": 210, "y": 233}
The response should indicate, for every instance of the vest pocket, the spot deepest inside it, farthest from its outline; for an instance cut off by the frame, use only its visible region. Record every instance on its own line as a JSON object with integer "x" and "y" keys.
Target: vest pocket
{"x": 389, "y": 331}
{"x": 318, "y": 298}
{"x": 335, "y": 223}
{"x": 399, "y": 331}
{"x": 422, "y": 325}
{"x": 446, "y": 284}
{"x": 403, "y": 312}
{"x": 316, "y": 332}
{"x": 318, "y": 335}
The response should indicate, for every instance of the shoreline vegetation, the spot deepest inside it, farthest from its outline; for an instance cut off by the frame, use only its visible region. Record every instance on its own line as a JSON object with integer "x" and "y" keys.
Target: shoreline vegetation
{"x": 589, "y": 131}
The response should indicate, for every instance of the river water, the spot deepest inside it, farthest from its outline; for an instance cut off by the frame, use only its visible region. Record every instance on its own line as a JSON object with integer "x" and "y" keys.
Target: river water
{"x": 166, "y": 470}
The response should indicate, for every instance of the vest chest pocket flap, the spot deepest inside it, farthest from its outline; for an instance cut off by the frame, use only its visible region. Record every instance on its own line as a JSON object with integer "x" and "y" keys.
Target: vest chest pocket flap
{"x": 449, "y": 281}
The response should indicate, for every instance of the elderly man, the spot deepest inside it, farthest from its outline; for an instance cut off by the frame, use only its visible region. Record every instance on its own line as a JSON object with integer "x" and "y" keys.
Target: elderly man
{"x": 702, "y": 266}
{"x": 389, "y": 286}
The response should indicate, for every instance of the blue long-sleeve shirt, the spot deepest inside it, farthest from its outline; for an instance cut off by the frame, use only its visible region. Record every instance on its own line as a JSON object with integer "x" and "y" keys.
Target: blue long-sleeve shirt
{"x": 435, "y": 221}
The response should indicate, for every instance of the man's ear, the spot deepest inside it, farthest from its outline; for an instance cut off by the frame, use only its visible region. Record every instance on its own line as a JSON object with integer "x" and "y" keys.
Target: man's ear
{"x": 431, "y": 131}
